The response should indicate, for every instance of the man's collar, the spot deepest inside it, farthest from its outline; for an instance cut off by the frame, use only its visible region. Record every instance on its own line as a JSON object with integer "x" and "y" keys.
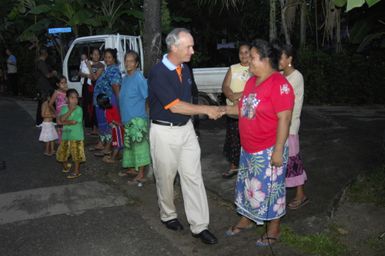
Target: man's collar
{"x": 168, "y": 63}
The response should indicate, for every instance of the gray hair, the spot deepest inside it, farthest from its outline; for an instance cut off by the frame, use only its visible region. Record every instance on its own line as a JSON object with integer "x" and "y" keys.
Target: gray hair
{"x": 173, "y": 37}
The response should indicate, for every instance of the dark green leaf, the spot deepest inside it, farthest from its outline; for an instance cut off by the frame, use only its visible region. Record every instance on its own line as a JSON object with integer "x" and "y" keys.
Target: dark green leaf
{"x": 372, "y": 2}
{"x": 353, "y": 4}
{"x": 41, "y": 9}
{"x": 340, "y": 3}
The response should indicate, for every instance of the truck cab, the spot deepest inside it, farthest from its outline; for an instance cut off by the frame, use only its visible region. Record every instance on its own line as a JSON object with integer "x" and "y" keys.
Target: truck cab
{"x": 86, "y": 44}
{"x": 208, "y": 80}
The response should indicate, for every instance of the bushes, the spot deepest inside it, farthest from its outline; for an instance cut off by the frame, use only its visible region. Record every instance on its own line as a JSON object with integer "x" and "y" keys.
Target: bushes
{"x": 346, "y": 78}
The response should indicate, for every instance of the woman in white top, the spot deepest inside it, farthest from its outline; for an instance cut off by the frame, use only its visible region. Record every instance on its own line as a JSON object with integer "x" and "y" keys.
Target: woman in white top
{"x": 233, "y": 85}
{"x": 295, "y": 174}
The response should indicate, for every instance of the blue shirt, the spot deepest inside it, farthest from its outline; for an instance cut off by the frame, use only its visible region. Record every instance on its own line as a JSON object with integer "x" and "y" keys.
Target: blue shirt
{"x": 104, "y": 83}
{"x": 165, "y": 88}
{"x": 133, "y": 95}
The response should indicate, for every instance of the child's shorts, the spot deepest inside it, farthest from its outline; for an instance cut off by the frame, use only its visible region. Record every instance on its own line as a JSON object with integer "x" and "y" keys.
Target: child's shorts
{"x": 73, "y": 148}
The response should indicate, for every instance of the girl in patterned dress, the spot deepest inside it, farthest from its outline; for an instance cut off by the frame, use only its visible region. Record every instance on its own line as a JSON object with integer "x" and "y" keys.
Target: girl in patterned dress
{"x": 59, "y": 100}
{"x": 115, "y": 122}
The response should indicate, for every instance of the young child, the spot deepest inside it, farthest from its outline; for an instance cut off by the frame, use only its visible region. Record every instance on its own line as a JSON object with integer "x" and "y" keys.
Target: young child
{"x": 59, "y": 99}
{"x": 48, "y": 133}
{"x": 72, "y": 144}
{"x": 115, "y": 122}
{"x": 84, "y": 69}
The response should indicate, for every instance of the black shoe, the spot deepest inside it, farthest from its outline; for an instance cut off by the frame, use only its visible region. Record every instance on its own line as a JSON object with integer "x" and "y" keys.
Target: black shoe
{"x": 206, "y": 237}
{"x": 173, "y": 224}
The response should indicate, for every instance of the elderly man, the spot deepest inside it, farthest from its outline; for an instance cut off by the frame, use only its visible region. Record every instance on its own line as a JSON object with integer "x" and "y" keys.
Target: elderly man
{"x": 174, "y": 144}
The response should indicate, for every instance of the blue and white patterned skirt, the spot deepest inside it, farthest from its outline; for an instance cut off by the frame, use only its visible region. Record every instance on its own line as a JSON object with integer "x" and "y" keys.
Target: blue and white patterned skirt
{"x": 260, "y": 192}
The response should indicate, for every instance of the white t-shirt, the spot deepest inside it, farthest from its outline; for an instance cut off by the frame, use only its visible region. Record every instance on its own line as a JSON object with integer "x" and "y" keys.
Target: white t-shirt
{"x": 296, "y": 81}
{"x": 84, "y": 69}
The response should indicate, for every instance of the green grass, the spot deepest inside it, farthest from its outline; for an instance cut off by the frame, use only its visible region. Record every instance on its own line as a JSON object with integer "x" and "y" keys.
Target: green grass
{"x": 377, "y": 245}
{"x": 321, "y": 244}
{"x": 369, "y": 188}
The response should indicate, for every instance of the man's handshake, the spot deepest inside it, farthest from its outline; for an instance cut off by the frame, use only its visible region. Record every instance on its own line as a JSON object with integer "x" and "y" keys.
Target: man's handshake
{"x": 215, "y": 112}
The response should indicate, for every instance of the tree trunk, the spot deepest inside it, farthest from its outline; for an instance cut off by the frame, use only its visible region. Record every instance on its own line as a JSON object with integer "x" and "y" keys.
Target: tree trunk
{"x": 284, "y": 22}
{"x": 338, "y": 31}
{"x": 303, "y": 24}
{"x": 152, "y": 36}
{"x": 316, "y": 23}
{"x": 272, "y": 23}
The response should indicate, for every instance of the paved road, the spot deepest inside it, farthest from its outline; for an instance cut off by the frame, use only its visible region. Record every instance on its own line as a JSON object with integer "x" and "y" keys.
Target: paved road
{"x": 40, "y": 213}
{"x": 338, "y": 143}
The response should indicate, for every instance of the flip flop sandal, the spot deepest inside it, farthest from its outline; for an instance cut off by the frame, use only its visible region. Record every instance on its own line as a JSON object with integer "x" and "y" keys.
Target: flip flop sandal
{"x": 124, "y": 174}
{"x": 232, "y": 231}
{"x": 94, "y": 148}
{"x": 99, "y": 153}
{"x": 136, "y": 181}
{"x": 108, "y": 160}
{"x": 68, "y": 168}
{"x": 266, "y": 241}
{"x": 230, "y": 173}
{"x": 48, "y": 154}
{"x": 74, "y": 175}
{"x": 296, "y": 204}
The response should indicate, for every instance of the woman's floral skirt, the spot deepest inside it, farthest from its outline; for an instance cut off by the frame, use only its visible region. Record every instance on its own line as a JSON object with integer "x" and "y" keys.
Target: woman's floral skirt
{"x": 260, "y": 192}
{"x": 136, "y": 152}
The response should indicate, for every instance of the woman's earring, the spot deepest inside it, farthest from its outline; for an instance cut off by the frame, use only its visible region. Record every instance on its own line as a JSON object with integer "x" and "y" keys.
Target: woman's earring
{"x": 289, "y": 64}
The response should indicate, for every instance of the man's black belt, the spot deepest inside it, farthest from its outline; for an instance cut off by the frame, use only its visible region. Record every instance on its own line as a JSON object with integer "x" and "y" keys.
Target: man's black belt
{"x": 168, "y": 123}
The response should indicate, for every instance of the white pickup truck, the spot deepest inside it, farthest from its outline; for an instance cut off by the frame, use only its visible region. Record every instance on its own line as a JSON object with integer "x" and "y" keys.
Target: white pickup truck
{"x": 208, "y": 80}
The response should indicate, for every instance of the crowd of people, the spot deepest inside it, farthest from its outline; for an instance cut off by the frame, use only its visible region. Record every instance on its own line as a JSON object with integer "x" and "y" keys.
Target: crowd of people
{"x": 149, "y": 122}
{"x": 121, "y": 128}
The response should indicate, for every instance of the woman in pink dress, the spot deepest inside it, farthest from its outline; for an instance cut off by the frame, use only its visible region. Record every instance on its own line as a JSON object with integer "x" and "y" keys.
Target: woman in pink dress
{"x": 295, "y": 175}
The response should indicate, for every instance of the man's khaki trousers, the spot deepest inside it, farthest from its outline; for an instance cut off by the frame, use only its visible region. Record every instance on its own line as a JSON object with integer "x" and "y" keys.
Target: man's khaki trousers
{"x": 176, "y": 149}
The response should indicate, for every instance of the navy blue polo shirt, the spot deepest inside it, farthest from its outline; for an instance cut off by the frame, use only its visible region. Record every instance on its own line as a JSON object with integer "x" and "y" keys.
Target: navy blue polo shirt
{"x": 165, "y": 90}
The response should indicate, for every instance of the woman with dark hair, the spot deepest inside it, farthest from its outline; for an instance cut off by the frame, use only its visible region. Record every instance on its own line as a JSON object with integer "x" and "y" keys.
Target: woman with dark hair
{"x": 96, "y": 67}
{"x": 264, "y": 118}
{"x": 109, "y": 84}
{"x": 133, "y": 95}
{"x": 233, "y": 85}
{"x": 295, "y": 175}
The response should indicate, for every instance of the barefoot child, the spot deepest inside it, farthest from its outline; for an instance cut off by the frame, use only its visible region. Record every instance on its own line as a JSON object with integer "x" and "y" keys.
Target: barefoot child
{"x": 114, "y": 121}
{"x": 72, "y": 144}
{"x": 48, "y": 133}
{"x": 59, "y": 99}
